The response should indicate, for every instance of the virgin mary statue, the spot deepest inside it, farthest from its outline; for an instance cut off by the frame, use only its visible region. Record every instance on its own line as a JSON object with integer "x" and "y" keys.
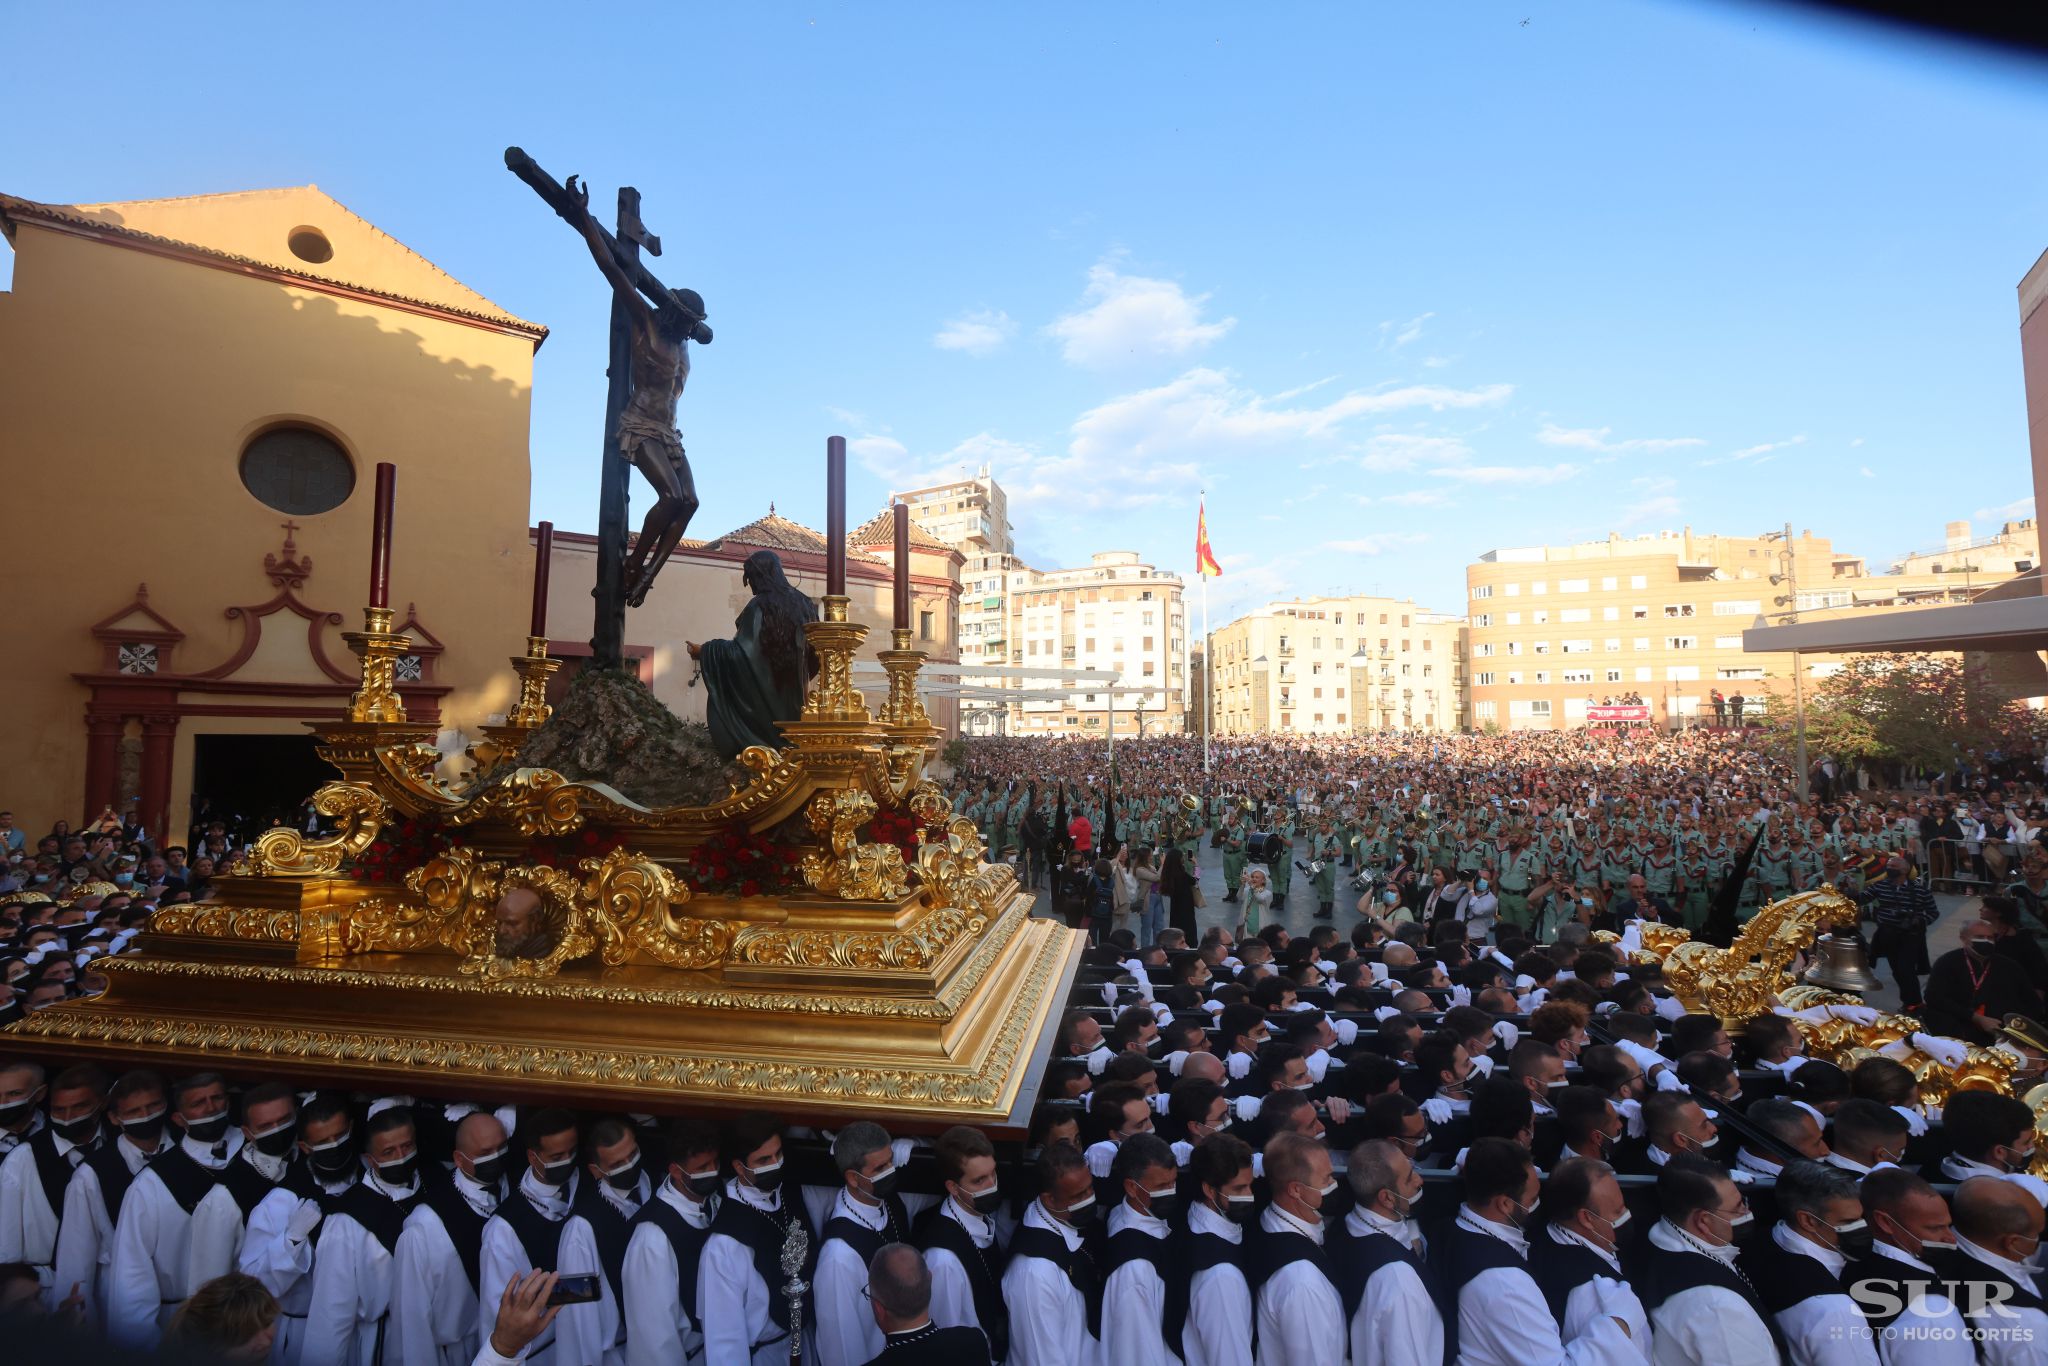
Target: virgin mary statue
{"x": 756, "y": 680}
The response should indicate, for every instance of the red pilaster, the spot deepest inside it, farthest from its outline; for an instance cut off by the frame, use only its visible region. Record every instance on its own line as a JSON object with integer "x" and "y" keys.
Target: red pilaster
{"x": 159, "y": 731}
{"x": 102, "y": 761}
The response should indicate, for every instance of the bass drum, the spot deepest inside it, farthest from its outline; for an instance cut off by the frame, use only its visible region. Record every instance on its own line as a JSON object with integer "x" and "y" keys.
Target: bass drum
{"x": 1265, "y": 846}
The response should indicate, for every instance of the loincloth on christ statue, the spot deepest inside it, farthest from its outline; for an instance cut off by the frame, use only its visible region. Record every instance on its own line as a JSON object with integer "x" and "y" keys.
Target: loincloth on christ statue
{"x": 638, "y": 429}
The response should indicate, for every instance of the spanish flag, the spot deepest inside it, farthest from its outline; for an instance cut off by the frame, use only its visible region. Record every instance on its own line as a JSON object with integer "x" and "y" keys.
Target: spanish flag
{"x": 1205, "y": 558}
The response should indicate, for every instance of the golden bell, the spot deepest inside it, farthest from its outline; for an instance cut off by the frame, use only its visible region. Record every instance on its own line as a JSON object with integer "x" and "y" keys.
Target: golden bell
{"x": 1840, "y": 963}
{"x": 1190, "y": 802}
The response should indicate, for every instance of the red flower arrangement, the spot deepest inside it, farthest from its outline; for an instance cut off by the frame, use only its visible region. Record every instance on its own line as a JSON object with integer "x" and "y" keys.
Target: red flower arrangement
{"x": 901, "y": 828}
{"x": 737, "y": 863}
{"x": 568, "y": 851}
{"x": 397, "y": 850}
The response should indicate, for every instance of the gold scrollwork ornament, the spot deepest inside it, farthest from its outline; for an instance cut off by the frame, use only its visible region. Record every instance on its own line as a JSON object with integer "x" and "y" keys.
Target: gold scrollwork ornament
{"x": 852, "y": 871}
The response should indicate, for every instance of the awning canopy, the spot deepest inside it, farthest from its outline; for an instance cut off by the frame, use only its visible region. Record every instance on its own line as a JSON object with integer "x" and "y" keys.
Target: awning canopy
{"x": 2012, "y": 624}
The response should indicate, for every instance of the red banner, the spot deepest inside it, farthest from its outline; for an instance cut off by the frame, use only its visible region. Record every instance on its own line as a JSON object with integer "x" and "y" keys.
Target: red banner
{"x": 1617, "y": 713}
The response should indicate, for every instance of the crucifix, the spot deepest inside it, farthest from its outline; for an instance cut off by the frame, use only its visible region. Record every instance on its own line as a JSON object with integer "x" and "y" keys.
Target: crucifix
{"x": 651, "y": 328}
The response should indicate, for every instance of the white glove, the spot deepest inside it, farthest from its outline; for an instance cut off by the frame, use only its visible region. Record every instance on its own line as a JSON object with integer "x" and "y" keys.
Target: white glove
{"x": 1505, "y": 1031}
{"x": 1347, "y": 1031}
{"x": 1438, "y": 1110}
{"x": 1239, "y": 1066}
{"x": 1916, "y": 1123}
{"x": 1948, "y": 1052}
{"x": 1631, "y": 938}
{"x": 304, "y": 1220}
{"x": 1669, "y": 1008}
{"x": 1378, "y": 971}
{"x": 1461, "y": 995}
{"x": 1382, "y": 1012}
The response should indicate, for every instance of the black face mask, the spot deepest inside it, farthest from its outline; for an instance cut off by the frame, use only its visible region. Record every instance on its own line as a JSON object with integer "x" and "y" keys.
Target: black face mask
{"x": 333, "y": 1163}
{"x": 1164, "y": 1206}
{"x": 1240, "y": 1212}
{"x": 882, "y": 1187}
{"x": 987, "y": 1202}
{"x": 16, "y": 1112}
{"x": 626, "y": 1179}
{"x": 703, "y": 1185}
{"x": 489, "y": 1169}
{"x": 212, "y": 1129}
{"x": 80, "y": 1131}
{"x": 556, "y": 1173}
{"x": 766, "y": 1182}
{"x": 1855, "y": 1243}
{"x": 278, "y": 1141}
{"x": 144, "y": 1133}
{"x": 399, "y": 1173}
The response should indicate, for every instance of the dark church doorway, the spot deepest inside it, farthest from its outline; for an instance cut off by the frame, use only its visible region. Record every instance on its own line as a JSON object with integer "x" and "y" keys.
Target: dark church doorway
{"x": 249, "y": 781}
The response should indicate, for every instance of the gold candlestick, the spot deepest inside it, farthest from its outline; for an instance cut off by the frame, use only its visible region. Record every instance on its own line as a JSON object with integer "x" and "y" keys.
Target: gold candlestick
{"x": 376, "y": 700}
{"x": 833, "y": 697}
{"x": 902, "y": 663}
{"x": 534, "y": 669}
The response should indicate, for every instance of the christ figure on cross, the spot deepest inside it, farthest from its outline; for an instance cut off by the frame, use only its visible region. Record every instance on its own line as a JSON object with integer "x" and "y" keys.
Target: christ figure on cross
{"x": 647, "y": 435}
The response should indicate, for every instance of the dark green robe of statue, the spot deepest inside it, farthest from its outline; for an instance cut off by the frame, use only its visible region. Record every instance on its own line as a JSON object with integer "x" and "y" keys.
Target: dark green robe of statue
{"x": 745, "y": 700}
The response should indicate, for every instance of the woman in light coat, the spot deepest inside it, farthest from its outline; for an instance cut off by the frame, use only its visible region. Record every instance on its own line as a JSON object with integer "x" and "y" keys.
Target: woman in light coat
{"x": 1151, "y": 907}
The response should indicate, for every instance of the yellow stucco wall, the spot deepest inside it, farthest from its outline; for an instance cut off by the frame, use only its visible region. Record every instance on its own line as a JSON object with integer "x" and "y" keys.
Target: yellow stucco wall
{"x": 130, "y": 382}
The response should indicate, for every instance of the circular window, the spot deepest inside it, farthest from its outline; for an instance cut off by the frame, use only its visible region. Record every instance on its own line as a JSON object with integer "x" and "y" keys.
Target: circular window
{"x": 298, "y": 471}
{"x": 311, "y": 244}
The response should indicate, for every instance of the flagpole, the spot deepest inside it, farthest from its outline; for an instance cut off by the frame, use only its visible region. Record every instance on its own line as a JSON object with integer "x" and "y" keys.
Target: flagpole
{"x": 1208, "y": 675}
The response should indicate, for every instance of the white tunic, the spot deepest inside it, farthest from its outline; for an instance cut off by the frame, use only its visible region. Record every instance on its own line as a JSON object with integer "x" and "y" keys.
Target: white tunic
{"x": 1826, "y": 1330}
{"x": 1707, "y": 1325}
{"x": 1603, "y": 1296}
{"x": 1218, "y": 1331}
{"x": 658, "y": 1332}
{"x": 1134, "y": 1300}
{"x": 1300, "y": 1315}
{"x": 502, "y": 1259}
{"x": 28, "y": 1226}
{"x": 847, "y": 1334}
{"x": 952, "y": 1292}
{"x": 1397, "y": 1323}
{"x": 434, "y": 1319}
{"x": 588, "y": 1334}
{"x": 85, "y": 1235}
{"x": 351, "y": 1292}
{"x": 1930, "y": 1334}
{"x": 1503, "y": 1319}
{"x": 284, "y": 1264}
{"x": 732, "y": 1299}
{"x": 2020, "y": 1334}
{"x": 1048, "y": 1316}
{"x": 155, "y": 1257}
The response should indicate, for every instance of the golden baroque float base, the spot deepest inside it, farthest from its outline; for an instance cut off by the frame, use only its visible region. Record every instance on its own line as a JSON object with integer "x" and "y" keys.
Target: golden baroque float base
{"x": 638, "y": 1038}
{"x": 826, "y": 941}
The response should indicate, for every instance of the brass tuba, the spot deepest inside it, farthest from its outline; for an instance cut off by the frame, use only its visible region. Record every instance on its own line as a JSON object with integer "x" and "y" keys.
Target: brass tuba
{"x": 1190, "y": 803}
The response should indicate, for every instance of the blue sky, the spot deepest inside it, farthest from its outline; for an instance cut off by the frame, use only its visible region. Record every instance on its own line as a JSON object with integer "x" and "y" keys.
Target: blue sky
{"x": 1397, "y": 284}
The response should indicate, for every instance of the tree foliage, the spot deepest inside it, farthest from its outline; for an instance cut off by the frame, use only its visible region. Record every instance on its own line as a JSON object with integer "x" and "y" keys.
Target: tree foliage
{"x": 1918, "y": 710}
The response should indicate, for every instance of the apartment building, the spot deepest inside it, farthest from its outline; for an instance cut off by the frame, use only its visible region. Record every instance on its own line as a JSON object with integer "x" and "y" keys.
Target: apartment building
{"x": 1555, "y": 629}
{"x": 973, "y": 516}
{"x": 1338, "y": 666}
{"x": 1115, "y": 613}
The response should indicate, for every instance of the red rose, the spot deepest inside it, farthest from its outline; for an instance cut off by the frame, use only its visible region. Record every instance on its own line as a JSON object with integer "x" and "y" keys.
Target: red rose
{"x": 750, "y": 888}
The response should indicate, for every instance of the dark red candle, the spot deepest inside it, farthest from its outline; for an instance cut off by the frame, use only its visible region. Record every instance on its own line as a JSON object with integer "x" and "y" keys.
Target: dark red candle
{"x": 380, "y": 536}
{"x": 835, "y": 516}
{"x": 543, "y": 554}
{"x": 901, "y": 511}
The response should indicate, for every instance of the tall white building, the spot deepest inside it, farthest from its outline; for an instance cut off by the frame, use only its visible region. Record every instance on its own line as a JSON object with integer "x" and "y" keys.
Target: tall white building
{"x": 1116, "y": 613}
{"x": 973, "y": 516}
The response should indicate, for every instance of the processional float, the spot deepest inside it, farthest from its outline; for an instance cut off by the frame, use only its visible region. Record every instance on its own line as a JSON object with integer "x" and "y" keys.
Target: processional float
{"x": 826, "y": 939}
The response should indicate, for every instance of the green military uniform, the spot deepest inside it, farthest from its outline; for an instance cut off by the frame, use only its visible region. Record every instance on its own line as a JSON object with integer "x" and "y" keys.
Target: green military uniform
{"x": 1233, "y": 856}
{"x": 1516, "y": 873}
{"x": 1283, "y": 869}
{"x": 1327, "y": 847}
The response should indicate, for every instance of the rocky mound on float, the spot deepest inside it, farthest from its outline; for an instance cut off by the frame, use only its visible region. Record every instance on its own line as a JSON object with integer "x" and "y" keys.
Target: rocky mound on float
{"x": 610, "y": 728}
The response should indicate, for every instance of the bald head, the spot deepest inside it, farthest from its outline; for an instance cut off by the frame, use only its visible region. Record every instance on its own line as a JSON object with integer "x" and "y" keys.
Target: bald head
{"x": 479, "y": 1134}
{"x": 1202, "y": 1067}
{"x": 900, "y": 1285}
{"x": 1988, "y": 1208}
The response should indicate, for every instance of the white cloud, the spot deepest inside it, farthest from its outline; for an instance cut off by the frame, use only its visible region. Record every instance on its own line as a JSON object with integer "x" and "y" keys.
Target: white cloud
{"x": 1766, "y": 447}
{"x": 1393, "y": 452}
{"x": 1855, "y": 443}
{"x": 1414, "y": 498}
{"x": 1866, "y": 471}
{"x": 1595, "y": 439}
{"x": 890, "y": 460}
{"x": 1394, "y": 336}
{"x": 1438, "y": 362}
{"x": 884, "y": 456}
{"x": 1131, "y": 317}
{"x": 1657, "y": 504}
{"x": 2019, "y": 507}
{"x": 1509, "y": 474}
{"x": 977, "y": 333}
{"x": 1377, "y": 544}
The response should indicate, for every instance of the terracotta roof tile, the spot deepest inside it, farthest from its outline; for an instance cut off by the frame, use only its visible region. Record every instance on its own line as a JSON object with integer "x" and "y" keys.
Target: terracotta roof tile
{"x": 879, "y": 530}
{"x": 776, "y": 532}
